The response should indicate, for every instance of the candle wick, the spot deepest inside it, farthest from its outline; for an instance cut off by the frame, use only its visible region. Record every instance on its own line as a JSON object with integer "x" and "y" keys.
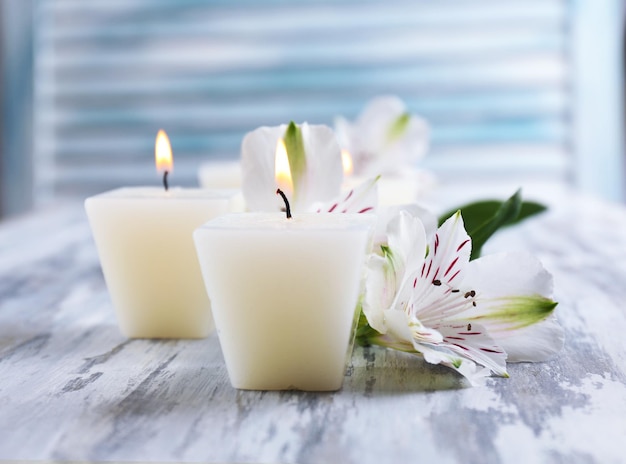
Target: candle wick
{"x": 165, "y": 180}
{"x": 287, "y": 207}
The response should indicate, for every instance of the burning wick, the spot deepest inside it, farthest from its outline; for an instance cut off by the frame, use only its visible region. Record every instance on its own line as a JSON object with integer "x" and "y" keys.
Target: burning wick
{"x": 287, "y": 207}
{"x": 165, "y": 180}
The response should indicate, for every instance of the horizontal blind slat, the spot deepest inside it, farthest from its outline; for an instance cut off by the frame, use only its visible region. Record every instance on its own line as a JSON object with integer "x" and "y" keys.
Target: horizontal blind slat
{"x": 488, "y": 75}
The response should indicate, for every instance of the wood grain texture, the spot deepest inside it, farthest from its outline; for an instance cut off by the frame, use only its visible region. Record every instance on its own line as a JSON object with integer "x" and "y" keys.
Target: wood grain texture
{"x": 73, "y": 388}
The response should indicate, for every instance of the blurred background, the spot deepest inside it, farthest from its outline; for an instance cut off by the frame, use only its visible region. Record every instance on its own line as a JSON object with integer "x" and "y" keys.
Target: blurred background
{"x": 527, "y": 91}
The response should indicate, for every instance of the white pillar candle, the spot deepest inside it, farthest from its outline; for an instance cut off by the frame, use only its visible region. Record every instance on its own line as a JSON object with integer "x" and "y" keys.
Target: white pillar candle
{"x": 399, "y": 188}
{"x": 391, "y": 190}
{"x": 284, "y": 293}
{"x": 144, "y": 240}
{"x": 220, "y": 174}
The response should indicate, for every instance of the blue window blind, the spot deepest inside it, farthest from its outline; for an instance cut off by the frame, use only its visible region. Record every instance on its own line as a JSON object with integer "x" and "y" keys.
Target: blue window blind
{"x": 493, "y": 78}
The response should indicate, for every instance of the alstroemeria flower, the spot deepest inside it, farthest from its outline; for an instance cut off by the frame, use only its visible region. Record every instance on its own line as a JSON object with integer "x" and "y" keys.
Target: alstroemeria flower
{"x": 314, "y": 161}
{"x": 466, "y": 315}
{"x": 385, "y": 138}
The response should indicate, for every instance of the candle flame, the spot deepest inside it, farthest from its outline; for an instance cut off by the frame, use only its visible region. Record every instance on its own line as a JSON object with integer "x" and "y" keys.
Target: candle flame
{"x": 163, "y": 152}
{"x": 346, "y": 161}
{"x": 281, "y": 168}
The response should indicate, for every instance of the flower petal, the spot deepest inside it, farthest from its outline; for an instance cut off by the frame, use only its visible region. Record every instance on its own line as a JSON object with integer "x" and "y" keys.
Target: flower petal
{"x": 412, "y": 143}
{"x": 387, "y": 213}
{"x": 475, "y": 373}
{"x": 398, "y": 324}
{"x": 258, "y": 152}
{"x": 384, "y": 136}
{"x": 473, "y": 342}
{"x": 320, "y": 182}
{"x": 380, "y": 289}
{"x": 514, "y": 304}
{"x": 324, "y": 173}
{"x": 386, "y": 288}
{"x": 296, "y": 155}
{"x": 449, "y": 252}
{"x": 437, "y": 295}
{"x": 534, "y": 343}
{"x": 464, "y": 351}
{"x": 406, "y": 241}
{"x": 370, "y": 130}
{"x": 421, "y": 334}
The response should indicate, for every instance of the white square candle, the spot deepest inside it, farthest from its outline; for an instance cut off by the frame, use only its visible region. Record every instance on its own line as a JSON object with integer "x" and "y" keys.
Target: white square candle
{"x": 144, "y": 240}
{"x": 220, "y": 174}
{"x": 284, "y": 294}
{"x": 395, "y": 189}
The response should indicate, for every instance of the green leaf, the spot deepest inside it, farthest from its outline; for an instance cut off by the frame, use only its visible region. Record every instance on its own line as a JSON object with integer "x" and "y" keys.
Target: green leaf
{"x": 507, "y": 212}
{"x": 529, "y": 208}
{"x": 398, "y": 127}
{"x": 475, "y": 214}
{"x": 483, "y": 218}
{"x": 296, "y": 155}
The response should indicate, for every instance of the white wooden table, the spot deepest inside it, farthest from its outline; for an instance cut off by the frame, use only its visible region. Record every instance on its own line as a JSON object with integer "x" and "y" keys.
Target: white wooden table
{"x": 73, "y": 388}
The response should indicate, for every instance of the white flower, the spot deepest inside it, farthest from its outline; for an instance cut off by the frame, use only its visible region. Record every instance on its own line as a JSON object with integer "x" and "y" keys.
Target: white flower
{"x": 385, "y": 138}
{"x": 314, "y": 159}
{"x": 466, "y": 315}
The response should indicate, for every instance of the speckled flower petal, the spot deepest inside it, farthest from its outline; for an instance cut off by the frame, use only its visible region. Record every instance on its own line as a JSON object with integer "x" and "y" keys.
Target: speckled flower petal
{"x": 449, "y": 252}
{"x": 461, "y": 346}
{"x": 475, "y": 343}
{"x": 514, "y": 304}
{"x": 437, "y": 283}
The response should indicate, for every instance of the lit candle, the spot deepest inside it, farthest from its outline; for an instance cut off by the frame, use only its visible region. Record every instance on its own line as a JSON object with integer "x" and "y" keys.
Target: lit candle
{"x": 144, "y": 240}
{"x": 400, "y": 187}
{"x": 220, "y": 174}
{"x": 284, "y": 293}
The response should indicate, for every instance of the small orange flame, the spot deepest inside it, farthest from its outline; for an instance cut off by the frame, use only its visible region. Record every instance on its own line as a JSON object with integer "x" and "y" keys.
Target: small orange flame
{"x": 281, "y": 168}
{"x": 163, "y": 152}
{"x": 346, "y": 161}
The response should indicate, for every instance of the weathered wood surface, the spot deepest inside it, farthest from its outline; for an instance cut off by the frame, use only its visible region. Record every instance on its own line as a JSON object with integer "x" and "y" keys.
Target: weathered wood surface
{"x": 73, "y": 388}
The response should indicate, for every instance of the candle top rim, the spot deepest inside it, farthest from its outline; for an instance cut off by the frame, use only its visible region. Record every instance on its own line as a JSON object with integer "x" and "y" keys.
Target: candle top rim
{"x": 257, "y": 221}
{"x": 409, "y": 173}
{"x": 151, "y": 193}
